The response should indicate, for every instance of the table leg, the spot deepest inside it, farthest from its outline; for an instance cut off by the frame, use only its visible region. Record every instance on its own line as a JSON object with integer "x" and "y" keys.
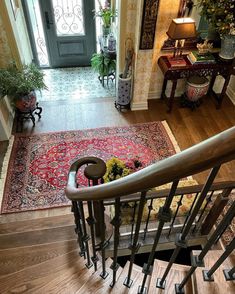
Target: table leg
{"x": 221, "y": 96}
{"x": 164, "y": 88}
{"x": 211, "y": 83}
{"x": 170, "y": 105}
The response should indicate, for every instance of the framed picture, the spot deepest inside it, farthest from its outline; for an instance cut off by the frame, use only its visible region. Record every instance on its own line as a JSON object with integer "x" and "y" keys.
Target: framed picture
{"x": 149, "y": 19}
{"x": 15, "y": 7}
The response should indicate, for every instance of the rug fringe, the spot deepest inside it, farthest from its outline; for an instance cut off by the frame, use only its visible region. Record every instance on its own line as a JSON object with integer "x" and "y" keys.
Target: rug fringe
{"x": 3, "y": 172}
{"x": 172, "y": 137}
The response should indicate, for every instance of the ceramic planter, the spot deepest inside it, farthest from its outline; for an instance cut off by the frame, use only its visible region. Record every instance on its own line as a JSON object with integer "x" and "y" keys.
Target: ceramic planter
{"x": 26, "y": 103}
{"x": 196, "y": 88}
{"x": 124, "y": 91}
{"x": 227, "y": 47}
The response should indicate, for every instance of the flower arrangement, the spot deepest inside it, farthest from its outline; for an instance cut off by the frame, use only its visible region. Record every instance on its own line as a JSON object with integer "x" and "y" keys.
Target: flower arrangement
{"x": 116, "y": 168}
{"x": 106, "y": 13}
{"x": 219, "y": 13}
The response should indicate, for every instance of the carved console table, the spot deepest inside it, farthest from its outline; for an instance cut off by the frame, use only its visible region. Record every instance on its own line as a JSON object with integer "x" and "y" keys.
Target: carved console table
{"x": 223, "y": 68}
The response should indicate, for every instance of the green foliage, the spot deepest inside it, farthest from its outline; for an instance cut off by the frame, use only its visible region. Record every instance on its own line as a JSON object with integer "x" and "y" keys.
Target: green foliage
{"x": 16, "y": 82}
{"x": 106, "y": 14}
{"x": 219, "y": 13}
{"x": 103, "y": 64}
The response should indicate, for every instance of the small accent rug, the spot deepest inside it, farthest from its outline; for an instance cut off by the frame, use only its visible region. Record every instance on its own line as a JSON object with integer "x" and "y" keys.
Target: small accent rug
{"x": 38, "y": 164}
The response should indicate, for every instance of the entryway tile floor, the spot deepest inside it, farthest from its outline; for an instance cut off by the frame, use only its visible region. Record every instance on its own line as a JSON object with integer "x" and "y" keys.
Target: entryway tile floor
{"x": 75, "y": 83}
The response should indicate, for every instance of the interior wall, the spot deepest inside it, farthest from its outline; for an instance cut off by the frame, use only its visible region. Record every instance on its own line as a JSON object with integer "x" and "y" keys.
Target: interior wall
{"x": 6, "y": 55}
{"x": 20, "y": 32}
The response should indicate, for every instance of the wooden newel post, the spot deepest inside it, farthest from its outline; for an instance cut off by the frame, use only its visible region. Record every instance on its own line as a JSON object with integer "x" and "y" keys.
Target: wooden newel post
{"x": 94, "y": 173}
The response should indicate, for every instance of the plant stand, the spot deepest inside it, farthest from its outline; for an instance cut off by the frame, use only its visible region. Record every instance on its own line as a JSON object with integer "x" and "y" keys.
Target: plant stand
{"x": 25, "y": 115}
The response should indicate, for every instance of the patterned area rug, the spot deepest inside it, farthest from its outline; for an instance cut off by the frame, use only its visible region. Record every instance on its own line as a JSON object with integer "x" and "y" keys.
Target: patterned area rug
{"x": 38, "y": 165}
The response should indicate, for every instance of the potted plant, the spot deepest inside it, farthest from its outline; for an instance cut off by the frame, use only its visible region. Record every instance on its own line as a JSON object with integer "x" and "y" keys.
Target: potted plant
{"x": 106, "y": 14}
{"x": 103, "y": 64}
{"x": 220, "y": 14}
{"x": 20, "y": 85}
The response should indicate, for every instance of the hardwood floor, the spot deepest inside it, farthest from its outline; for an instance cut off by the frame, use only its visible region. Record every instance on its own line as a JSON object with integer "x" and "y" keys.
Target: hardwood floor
{"x": 189, "y": 127}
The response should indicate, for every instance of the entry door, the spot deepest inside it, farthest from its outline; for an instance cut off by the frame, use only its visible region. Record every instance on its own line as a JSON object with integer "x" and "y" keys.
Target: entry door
{"x": 70, "y": 31}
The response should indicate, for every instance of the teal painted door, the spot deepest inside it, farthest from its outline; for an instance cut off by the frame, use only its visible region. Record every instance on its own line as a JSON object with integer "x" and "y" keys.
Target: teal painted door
{"x": 70, "y": 31}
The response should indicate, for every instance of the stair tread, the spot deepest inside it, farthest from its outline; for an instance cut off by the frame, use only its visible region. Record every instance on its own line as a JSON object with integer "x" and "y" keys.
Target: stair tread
{"x": 37, "y": 237}
{"x": 36, "y": 224}
{"x": 98, "y": 285}
{"x": 31, "y": 278}
{"x": 66, "y": 281}
{"x": 136, "y": 276}
{"x": 220, "y": 285}
{"x": 176, "y": 275}
{"x": 15, "y": 259}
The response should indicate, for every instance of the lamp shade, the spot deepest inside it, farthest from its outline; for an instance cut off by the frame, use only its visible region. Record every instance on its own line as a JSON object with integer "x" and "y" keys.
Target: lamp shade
{"x": 182, "y": 28}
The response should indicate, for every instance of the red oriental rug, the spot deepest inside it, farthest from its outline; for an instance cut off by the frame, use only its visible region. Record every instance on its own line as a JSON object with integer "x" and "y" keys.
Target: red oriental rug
{"x": 38, "y": 165}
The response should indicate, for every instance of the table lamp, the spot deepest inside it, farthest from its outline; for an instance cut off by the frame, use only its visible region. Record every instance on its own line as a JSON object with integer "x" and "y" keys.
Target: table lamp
{"x": 179, "y": 30}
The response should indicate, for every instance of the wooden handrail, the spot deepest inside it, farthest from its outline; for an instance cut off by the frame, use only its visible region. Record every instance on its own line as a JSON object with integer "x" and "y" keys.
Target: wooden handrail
{"x": 205, "y": 155}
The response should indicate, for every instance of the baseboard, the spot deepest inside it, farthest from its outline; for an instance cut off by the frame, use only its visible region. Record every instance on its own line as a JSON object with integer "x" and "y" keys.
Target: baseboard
{"x": 142, "y": 105}
{"x": 231, "y": 94}
{"x": 6, "y": 119}
{"x": 157, "y": 95}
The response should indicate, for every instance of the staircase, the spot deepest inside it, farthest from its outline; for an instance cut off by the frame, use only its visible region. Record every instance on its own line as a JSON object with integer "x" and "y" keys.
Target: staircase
{"x": 41, "y": 256}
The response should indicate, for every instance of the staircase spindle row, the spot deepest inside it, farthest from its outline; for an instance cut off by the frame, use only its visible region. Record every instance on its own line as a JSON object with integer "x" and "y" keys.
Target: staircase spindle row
{"x": 202, "y": 214}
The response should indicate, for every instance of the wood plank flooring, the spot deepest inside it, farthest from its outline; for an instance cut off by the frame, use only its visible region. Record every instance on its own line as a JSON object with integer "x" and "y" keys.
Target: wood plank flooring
{"x": 189, "y": 127}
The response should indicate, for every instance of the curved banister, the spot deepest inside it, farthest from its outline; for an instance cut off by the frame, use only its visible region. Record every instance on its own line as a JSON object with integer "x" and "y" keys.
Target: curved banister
{"x": 207, "y": 154}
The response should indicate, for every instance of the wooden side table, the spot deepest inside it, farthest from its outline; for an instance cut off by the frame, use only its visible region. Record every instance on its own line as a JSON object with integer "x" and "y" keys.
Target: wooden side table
{"x": 223, "y": 68}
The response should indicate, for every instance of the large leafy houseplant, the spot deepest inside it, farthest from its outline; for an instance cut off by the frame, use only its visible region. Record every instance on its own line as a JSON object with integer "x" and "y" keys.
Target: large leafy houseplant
{"x": 220, "y": 14}
{"x": 103, "y": 64}
{"x": 16, "y": 82}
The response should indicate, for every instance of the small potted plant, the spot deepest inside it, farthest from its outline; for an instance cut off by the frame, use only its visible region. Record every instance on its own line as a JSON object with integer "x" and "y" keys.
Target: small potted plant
{"x": 20, "y": 85}
{"x": 103, "y": 64}
{"x": 106, "y": 14}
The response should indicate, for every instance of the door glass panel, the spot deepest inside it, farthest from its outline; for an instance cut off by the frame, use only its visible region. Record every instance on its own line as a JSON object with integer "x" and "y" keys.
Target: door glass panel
{"x": 38, "y": 33}
{"x": 69, "y": 18}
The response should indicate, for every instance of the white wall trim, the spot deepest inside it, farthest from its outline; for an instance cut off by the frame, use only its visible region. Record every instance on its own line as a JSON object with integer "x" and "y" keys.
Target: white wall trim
{"x": 231, "y": 94}
{"x": 6, "y": 126}
{"x": 142, "y": 105}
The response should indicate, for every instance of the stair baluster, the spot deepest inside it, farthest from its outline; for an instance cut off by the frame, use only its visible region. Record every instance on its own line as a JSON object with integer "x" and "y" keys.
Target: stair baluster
{"x": 91, "y": 222}
{"x": 180, "y": 238}
{"x": 179, "y": 203}
{"x": 215, "y": 211}
{"x": 150, "y": 207}
{"x": 164, "y": 215}
{"x": 133, "y": 220}
{"x": 190, "y": 211}
{"x": 208, "y": 274}
{"x": 134, "y": 247}
{"x": 229, "y": 274}
{"x": 103, "y": 244}
{"x": 116, "y": 222}
{"x": 198, "y": 260}
{"x": 200, "y": 218}
{"x": 78, "y": 229}
{"x": 85, "y": 237}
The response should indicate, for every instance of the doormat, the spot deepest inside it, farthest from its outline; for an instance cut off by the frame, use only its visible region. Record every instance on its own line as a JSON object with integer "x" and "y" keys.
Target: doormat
{"x": 38, "y": 164}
